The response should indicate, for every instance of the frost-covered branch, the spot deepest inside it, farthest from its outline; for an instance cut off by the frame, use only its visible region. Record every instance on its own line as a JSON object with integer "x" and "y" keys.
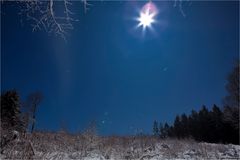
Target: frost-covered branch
{"x": 179, "y": 4}
{"x": 86, "y": 5}
{"x": 44, "y": 15}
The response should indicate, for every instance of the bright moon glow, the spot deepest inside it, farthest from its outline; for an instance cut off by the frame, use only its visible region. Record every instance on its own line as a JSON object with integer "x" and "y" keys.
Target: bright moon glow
{"x": 145, "y": 19}
{"x": 147, "y": 15}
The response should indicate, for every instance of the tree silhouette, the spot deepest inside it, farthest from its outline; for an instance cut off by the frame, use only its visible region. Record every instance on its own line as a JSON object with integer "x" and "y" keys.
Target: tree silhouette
{"x": 231, "y": 101}
{"x": 10, "y": 111}
{"x": 11, "y": 124}
{"x": 155, "y": 128}
{"x": 33, "y": 101}
{"x": 164, "y": 130}
{"x": 177, "y": 127}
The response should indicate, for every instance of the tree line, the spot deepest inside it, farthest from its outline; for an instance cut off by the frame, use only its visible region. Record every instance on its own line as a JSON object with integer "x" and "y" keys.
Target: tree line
{"x": 204, "y": 125}
{"x": 215, "y": 125}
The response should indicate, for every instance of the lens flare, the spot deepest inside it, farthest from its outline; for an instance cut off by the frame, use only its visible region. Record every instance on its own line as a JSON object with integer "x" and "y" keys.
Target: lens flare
{"x": 147, "y": 15}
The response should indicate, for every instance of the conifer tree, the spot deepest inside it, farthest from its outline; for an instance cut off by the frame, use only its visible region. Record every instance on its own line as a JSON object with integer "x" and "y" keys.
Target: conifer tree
{"x": 177, "y": 127}
{"x": 10, "y": 111}
{"x": 11, "y": 124}
{"x": 185, "y": 125}
{"x": 155, "y": 129}
{"x": 231, "y": 101}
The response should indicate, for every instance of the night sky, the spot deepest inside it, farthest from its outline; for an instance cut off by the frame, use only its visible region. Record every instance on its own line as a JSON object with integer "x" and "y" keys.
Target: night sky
{"x": 108, "y": 72}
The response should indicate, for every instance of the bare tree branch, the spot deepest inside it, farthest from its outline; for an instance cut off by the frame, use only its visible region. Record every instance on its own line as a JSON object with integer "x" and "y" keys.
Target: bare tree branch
{"x": 44, "y": 16}
{"x": 179, "y": 4}
{"x": 86, "y": 5}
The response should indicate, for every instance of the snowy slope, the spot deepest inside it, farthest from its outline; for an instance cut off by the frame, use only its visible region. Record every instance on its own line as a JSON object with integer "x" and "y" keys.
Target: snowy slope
{"x": 62, "y": 146}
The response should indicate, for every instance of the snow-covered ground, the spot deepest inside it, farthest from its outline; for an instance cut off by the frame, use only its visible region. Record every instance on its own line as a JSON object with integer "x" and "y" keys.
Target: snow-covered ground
{"x": 62, "y": 146}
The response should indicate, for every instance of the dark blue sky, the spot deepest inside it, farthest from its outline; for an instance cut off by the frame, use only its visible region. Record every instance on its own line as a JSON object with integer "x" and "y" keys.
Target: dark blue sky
{"x": 107, "y": 72}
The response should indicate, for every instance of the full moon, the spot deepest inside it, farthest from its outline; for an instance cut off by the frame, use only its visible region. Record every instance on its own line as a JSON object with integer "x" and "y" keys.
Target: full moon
{"x": 147, "y": 15}
{"x": 145, "y": 19}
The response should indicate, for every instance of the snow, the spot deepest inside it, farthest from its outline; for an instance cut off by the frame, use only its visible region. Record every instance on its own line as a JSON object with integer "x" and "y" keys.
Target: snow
{"x": 213, "y": 151}
{"x": 61, "y": 146}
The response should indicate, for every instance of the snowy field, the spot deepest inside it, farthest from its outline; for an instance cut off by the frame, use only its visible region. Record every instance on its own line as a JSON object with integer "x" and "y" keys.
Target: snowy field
{"x": 87, "y": 146}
